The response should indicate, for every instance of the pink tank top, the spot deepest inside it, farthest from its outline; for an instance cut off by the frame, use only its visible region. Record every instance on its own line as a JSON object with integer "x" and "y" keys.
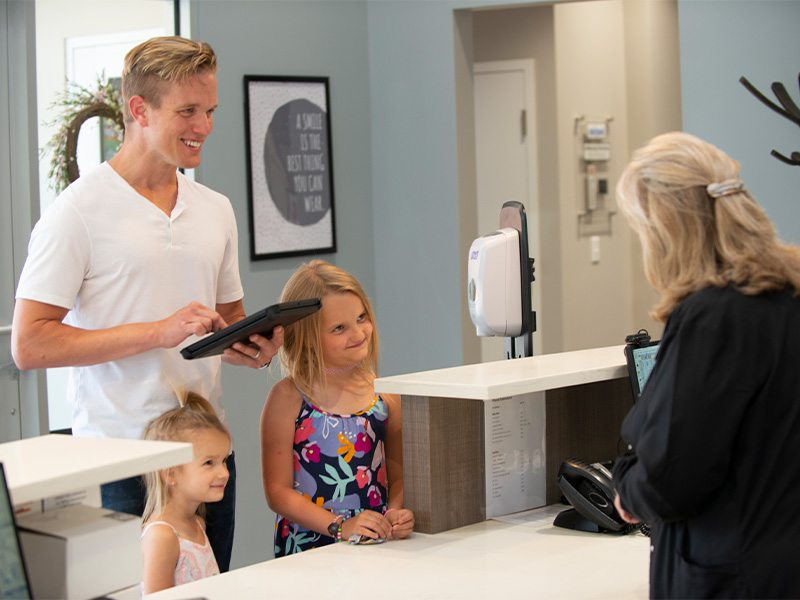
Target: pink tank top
{"x": 195, "y": 561}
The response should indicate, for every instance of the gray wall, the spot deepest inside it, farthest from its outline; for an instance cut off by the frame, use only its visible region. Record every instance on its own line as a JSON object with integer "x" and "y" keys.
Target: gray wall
{"x": 395, "y": 145}
{"x": 284, "y": 38}
{"x": 395, "y": 156}
{"x": 396, "y": 175}
{"x": 419, "y": 257}
{"x": 720, "y": 42}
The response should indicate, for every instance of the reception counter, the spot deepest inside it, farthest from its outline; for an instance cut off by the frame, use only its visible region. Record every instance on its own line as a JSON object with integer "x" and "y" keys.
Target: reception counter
{"x": 518, "y": 556}
{"x": 580, "y": 396}
{"x": 456, "y": 551}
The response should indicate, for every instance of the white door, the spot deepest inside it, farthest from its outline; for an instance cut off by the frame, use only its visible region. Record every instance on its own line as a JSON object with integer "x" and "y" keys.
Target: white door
{"x": 505, "y": 146}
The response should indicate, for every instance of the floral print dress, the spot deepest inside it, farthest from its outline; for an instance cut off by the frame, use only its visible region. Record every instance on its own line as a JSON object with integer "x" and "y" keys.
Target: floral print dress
{"x": 339, "y": 464}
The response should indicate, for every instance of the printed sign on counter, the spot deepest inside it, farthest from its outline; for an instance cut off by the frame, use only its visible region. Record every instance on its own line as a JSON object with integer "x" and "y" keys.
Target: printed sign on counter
{"x": 515, "y": 464}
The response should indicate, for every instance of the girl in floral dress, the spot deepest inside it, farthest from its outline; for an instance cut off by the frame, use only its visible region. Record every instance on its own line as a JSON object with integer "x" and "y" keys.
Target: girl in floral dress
{"x": 331, "y": 448}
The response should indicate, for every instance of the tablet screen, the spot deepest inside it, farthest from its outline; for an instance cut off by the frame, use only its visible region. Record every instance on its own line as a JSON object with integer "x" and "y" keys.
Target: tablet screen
{"x": 641, "y": 359}
{"x": 261, "y": 322}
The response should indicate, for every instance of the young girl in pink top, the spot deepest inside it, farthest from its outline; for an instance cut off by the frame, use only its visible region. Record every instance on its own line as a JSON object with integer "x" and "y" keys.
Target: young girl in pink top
{"x": 175, "y": 548}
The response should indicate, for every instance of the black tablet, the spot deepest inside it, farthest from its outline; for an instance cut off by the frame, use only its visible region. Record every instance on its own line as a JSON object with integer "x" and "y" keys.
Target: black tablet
{"x": 261, "y": 322}
{"x": 640, "y": 358}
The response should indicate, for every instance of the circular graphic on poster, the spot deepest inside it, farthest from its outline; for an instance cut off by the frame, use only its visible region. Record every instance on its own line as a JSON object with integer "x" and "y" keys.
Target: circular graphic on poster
{"x": 296, "y": 162}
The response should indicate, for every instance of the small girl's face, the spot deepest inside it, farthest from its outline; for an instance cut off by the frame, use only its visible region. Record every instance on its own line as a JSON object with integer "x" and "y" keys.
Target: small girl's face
{"x": 204, "y": 479}
{"x": 346, "y": 330}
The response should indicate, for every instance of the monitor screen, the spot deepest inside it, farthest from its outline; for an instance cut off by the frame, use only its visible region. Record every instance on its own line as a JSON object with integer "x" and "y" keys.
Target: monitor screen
{"x": 641, "y": 360}
{"x": 13, "y": 576}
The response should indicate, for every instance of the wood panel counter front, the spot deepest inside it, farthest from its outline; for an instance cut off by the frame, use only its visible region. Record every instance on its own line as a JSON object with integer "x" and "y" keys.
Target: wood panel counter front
{"x": 587, "y": 394}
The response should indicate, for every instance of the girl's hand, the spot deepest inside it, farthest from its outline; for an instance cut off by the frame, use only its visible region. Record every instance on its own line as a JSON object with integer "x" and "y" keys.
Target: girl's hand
{"x": 367, "y": 523}
{"x": 402, "y": 522}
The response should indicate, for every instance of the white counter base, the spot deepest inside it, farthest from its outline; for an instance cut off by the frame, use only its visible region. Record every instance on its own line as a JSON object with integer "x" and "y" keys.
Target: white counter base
{"x": 55, "y": 464}
{"x": 519, "y": 556}
{"x": 500, "y": 379}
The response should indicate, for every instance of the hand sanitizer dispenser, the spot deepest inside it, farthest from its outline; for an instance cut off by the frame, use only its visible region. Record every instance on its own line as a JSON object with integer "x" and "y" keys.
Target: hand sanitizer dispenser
{"x": 493, "y": 288}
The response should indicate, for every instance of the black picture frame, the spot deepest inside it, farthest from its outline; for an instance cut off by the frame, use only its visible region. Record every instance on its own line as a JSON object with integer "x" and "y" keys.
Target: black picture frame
{"x": 289, "y": 166}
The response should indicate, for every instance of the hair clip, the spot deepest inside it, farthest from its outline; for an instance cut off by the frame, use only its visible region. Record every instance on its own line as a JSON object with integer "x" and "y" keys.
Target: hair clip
{"x": 729, "y": 186}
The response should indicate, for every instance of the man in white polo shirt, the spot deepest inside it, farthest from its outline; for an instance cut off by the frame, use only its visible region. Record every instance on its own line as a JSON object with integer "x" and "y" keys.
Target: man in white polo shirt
{"x": 134, "y": 260}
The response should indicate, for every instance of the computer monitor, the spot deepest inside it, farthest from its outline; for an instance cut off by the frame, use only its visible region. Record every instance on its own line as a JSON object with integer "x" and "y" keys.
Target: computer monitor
{"x": 640, "y": 359}
{"x": 14, "y": 583}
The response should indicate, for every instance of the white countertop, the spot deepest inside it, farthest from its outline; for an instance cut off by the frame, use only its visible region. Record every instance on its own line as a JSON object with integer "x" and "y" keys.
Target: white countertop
{"x": 500, "y": 379}
{"x": 519, "y": 556}
{"x": 50, "y": 465}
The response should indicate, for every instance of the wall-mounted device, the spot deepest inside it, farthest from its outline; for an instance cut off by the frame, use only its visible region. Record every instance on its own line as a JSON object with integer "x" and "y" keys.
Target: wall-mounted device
{"x": 594, "y": 152}
{"x": 499, "y": 276}
{"x": 495, "y": 304}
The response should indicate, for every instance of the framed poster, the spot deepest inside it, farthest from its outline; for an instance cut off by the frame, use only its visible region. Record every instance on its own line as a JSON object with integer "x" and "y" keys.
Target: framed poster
{"x": 289, "y": 166}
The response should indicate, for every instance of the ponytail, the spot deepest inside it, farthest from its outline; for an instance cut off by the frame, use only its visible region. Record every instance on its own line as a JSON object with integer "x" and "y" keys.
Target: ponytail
{"x": 194, "y": 413}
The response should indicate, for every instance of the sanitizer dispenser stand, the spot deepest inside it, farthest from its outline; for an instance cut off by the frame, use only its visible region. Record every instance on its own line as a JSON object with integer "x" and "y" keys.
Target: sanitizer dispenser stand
{"x": 500, "y": 273}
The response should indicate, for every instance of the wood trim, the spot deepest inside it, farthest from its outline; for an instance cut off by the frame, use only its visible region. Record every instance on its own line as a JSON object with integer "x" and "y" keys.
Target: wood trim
{"x": 583, "y": 422}
{"x": 443, "y": 462}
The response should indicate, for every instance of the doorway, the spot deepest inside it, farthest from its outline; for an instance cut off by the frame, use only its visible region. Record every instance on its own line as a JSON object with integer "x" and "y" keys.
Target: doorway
{"x": 80, "y": 42}
{"x": 506, "y": 158}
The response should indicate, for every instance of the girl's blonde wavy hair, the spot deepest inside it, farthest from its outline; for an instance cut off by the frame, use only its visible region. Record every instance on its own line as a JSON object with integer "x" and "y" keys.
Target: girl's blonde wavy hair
{"x": 195, "y": 413}
{"x": 301, "y": 353}
{"x": 691, "y": 240}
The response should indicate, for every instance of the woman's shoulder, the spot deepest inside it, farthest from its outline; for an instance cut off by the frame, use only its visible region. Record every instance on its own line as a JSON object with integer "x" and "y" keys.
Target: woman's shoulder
{"x": 734, "y": 319}
{"x": 729, "y": 300}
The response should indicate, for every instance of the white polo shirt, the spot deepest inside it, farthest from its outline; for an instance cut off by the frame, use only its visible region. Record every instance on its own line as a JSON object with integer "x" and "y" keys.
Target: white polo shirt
{"x": 112, "y": 257}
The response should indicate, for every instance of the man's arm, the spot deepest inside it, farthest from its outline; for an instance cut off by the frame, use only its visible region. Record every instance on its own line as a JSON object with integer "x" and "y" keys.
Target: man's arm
{"x": 40, "y": 339}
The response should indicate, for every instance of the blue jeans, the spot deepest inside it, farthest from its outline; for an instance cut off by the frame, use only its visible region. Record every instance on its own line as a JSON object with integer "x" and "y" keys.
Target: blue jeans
{"x": 128, "y": 496}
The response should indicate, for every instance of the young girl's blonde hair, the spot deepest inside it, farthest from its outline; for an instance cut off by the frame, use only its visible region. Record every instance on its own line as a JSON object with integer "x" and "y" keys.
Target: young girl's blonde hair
{"x": 693, "y": 233}
{"x": 195, "y": 413}
{"x": 301, "y": 353}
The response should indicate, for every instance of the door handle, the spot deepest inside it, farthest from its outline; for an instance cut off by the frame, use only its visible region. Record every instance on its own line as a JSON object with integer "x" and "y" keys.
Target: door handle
{"x": 5, "y": 329}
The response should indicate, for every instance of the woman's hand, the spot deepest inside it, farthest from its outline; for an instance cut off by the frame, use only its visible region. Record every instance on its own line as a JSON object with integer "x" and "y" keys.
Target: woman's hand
{"x": 367, "y": 523}
{"x": 402, "y": 522}
{"x": 624, "y": 514}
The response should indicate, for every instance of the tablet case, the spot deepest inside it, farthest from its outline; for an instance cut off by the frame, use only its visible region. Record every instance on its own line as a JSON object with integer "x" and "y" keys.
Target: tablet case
{"x": 640, "y": 359}
{"x": 261, "y": 322}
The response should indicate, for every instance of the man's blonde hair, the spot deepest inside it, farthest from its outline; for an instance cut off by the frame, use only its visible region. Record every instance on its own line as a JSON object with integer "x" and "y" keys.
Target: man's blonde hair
{"x": 301, "y": 353}
{"x": 690, "y": 239}
{"x": 153, "y": 64}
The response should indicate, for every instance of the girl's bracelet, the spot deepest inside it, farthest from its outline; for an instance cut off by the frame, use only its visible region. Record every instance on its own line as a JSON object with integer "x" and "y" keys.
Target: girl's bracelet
{"x": 335, "y": 528}
{"x": 339, "y": 530}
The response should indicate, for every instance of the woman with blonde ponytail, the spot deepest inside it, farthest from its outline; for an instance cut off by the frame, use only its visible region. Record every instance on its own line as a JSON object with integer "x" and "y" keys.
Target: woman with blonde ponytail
{"x": 719, "y": 417}
{"x": 175, "y": 548}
